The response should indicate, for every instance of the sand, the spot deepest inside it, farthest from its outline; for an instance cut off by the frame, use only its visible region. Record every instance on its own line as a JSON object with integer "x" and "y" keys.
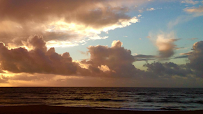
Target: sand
{"x": 42, "y": 109}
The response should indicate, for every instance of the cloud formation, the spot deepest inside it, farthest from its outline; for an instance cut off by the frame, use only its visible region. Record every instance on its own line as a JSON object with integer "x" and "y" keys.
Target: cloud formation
{"x": 150, "y": 9}
{"x": 62, "y": 21}
{"x": 168, "y": 69}
{"x": 113, "y": 63}
{"x": 192, "y": 38}
{"x": 165, "y": 44}
{"x": 37, "y": 60}
{"x": 195, "y": 57}
{"x": 194, "y": 10}
{"x": 141, "y": 57}
{"x": 179, "y": 20}
{"x": 104, "y": 61}
{"x": 3, "y": 79}
{"x": 117, "y": 59}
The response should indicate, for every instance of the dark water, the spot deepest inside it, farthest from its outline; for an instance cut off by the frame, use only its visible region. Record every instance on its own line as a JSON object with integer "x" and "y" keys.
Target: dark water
{"x": 119, "y": 98}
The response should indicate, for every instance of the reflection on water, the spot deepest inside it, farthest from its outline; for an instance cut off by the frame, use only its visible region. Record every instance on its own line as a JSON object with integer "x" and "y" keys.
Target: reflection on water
{"x": 125, "y": 98}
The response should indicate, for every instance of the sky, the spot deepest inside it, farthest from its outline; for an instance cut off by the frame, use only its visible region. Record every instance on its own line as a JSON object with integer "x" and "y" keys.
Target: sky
{"x": 101, "y": 43}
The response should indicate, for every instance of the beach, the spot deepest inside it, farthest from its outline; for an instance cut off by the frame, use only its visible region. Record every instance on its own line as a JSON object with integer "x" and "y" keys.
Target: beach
{"x": 43, "y": 109}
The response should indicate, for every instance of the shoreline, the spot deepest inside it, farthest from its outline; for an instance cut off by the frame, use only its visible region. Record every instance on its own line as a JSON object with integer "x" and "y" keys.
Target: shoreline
{"x": 44, "y": 109}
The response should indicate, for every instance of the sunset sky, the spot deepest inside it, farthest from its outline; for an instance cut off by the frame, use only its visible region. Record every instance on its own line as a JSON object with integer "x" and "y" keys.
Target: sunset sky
{"x": 105, "y": 43}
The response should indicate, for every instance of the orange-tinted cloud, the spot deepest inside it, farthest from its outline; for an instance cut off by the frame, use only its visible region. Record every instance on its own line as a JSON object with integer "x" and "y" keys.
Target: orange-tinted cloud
{"x": 194, "y": 10}
{"x": 104, "y": 61}
{"x": 63, "y": 20}
{"x": 117, "y": 59}
{"x": 37, "y": 60}
{"x": 42, "y": 65}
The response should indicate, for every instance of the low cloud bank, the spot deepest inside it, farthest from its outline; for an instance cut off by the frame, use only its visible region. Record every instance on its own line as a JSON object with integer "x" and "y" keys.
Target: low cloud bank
{"x": 104, "y": 62}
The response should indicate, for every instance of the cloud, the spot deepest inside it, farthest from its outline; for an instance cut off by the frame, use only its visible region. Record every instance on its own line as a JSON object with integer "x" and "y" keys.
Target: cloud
{"x": 182, "y": 56}
{"x": 32, "y": 77}
{"x": 3, "y": 79}
{"x": 104, "y": 61}
{"x": 116, "y": 44}
{"x": 36, "y": 43}
{"x": 188, "y": 53}
{"x": 190, "y": 2}
{"x": 141, "y": 57}
{"x": 63, "y": 21}
{"x": 150, "y": 9}
{"x": 179, "y": 20}
{"x": 148, "y": 37}
{"x": 194, "y": 10}
{"x": 192, "y": 38}
{"x": 179, "y": 48}
{"x": 115, "y": 64}
{"x": 145, "y": 9}
{"x": 193, "y": 13}
{"x": 116, "y": 59}
{"x": 168, "y": 69}
{"x": 104, "y": 68}
{"x": 165, "y": 44}
{"x": 37, "y": 60}
{"x": 195, "y": 57}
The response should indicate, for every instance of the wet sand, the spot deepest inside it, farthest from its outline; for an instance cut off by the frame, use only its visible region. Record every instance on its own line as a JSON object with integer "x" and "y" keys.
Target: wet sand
{"x": 43, "y": 109}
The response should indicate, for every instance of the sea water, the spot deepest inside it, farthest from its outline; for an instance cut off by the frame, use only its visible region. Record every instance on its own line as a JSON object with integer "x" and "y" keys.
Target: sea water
{"x": 119, "y": 98}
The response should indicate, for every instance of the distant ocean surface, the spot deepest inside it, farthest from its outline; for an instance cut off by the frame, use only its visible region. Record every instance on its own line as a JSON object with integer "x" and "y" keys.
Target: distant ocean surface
{"x": 110, "y": 98}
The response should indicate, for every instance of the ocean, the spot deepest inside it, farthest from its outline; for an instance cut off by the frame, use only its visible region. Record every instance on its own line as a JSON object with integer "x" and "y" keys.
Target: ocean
{"x": 119, "y": 98}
